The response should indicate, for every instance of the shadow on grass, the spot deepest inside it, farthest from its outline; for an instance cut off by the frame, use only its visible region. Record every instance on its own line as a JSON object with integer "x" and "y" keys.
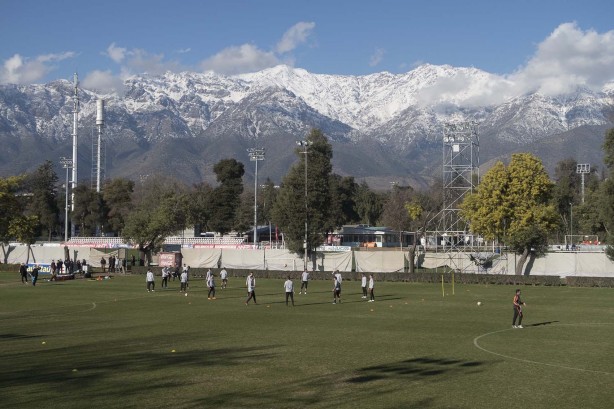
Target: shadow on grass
{"x": 99, "y": 371}
{"x": 416, "y": 368}
{"x": 340, "y": 389}
{"x": 538, "y": 324}
{"x": 9, "y": 337}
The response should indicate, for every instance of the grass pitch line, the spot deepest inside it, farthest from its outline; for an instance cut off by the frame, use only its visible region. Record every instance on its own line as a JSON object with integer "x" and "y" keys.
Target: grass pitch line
{"x": 477, "y": 345}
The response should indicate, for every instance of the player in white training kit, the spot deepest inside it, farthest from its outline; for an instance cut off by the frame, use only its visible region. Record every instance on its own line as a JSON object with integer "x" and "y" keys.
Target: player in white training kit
{"x": 224, "y": 277}
{"x": 304, "y": 281}
{"x": 363, "y": 283}
{"x": 289, "y": 287}
{"x": 371, "y": 285}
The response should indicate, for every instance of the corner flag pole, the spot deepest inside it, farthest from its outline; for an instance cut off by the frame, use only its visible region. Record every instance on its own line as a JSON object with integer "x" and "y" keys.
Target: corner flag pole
{"x": 443, "y": 292}
{"x": 452, "y": 282}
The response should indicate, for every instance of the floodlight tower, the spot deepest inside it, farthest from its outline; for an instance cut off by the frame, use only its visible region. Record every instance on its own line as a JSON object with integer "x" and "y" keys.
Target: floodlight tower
{"x": 583, "y": 169}
{"x": 461, "y": 172}
{"x": 461, "y": 149}
{"x": 75, "y": 123}
{"x": 305, "y": 144}
{"x": 256, "y": 154}
{"x": 66, "y": 164}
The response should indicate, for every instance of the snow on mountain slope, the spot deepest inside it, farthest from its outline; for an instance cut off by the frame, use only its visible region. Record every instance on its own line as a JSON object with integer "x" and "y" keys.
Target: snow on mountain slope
{"x": 394, "y": 108}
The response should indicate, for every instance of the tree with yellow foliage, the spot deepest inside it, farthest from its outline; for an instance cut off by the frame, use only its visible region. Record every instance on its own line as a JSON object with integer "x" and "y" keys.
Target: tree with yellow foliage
{"x": 512, "y": 205}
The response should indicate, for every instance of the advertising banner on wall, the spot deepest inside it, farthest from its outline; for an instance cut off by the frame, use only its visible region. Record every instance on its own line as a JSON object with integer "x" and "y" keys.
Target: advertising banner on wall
{"x": 45, "y": 268}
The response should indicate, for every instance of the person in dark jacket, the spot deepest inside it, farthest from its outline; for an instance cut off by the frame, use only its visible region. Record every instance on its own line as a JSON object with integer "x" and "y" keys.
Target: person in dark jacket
{"x": 23, "y": 270}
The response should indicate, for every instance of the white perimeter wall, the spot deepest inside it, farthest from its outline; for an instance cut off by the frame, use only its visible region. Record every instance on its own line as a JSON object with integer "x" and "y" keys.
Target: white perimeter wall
{"x": 554, "y": 264}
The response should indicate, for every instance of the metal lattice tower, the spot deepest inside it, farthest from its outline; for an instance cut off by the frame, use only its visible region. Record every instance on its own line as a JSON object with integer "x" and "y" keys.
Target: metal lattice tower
{"x": 461, "y": 149}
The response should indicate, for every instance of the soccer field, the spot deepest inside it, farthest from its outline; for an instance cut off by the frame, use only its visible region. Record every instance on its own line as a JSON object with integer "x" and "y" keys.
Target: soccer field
{"x": 111, "y": 344}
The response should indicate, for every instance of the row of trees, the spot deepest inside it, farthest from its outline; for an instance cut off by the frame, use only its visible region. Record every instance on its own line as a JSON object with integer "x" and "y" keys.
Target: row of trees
{"x": 517, "y": 204}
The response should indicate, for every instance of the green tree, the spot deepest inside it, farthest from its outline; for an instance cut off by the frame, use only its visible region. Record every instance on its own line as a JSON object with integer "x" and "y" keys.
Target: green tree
{"x": 512, "y": 204}
{"x": 117, "y": 197}
{"x": 43, "y": 203}
{"x": 268, "y": 197}
{"x": 395, "y": 213}
{"x": 343, "y": 201}
{"x": 369, "y": 205}
{"x": 89, "y": 210}
{"x": 226, "y": 198}
{"x": 420, "y": 210}
{"x": 10, "y": 209}
{"x": 606, "y": 202}
{"x": 565, "y": 192}
{"x": 24, "y": 229}
{"x": 292, "y": 209}
{"x": 160, "y": 209}
{"x": 244, "y": 215}
{"x": 199, "y": 206}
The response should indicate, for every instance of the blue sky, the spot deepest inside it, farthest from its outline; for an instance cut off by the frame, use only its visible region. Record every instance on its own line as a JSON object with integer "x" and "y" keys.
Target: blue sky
{"x": 110, "y": 40}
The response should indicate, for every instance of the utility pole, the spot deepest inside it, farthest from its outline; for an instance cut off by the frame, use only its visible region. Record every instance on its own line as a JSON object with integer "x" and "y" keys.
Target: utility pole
{"x": 256, "y": 154}
{"x": 75, "y": 113}
{"x": 305, "y": 145}
{"x": 66, "y": 164}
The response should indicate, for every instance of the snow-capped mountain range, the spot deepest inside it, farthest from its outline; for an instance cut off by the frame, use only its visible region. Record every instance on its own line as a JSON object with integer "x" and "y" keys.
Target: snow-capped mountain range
{"x": 382, "y": 126}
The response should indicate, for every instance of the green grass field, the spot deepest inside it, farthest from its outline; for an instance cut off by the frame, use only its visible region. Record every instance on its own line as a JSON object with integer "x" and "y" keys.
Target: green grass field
{"x": 111, "y": 344}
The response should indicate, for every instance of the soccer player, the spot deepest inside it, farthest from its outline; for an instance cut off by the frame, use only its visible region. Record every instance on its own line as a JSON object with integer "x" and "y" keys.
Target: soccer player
{"x": 338, "y": 275}
{"x": 518, "y": 304}
{"x": 371, "y": 285}
{"x": 224, "y": 277}
{"x": 304, "y": 281}
{"x": 165, "y": 274}
{"x": 211, "y": 285}
{"x": 149, "y": 277}
{"x": 289, "y": 287}
{"x": 186, "y": 270}
{"x": 251, "y": 288}
{"x": 336, "y": 290}
{"x": 184, "y": 282}
{"x": 23, "y": 270}
{"x": 363, "y": 283}
{"x": 34, "y": 274}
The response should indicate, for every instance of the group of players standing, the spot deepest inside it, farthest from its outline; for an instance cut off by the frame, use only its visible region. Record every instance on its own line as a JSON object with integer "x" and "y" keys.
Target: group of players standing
{"x": 184, "y": 280}
{"x": 250, "y": 282}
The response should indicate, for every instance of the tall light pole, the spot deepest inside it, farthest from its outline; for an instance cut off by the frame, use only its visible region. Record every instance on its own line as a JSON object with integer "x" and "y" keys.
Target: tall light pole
{"x": 571, "y": 222}
{"x": 305, "y": 145}
{"x": 75, "y": 112}
{"x": 583, "y": 169}
{"x": 256, "y": 154}
{"x": 66, "y": 164}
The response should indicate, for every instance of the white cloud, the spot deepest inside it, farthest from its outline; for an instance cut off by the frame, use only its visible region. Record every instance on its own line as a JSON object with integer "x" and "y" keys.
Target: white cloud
{"x": 377, "y": 57}
{"x": 22, "y": 70}
{"x": 115, "y": 53}
{"x": 103, "y": 81}
{"x": 249, "y": 58}
{"x": 567, "y": 59}
{"x": 141, "y": 61}
{"x": 183, "y": 50}
{"x": 467, "y": 89}
{"x": 241, "y": 59}
{"x": 296, "y": 35}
